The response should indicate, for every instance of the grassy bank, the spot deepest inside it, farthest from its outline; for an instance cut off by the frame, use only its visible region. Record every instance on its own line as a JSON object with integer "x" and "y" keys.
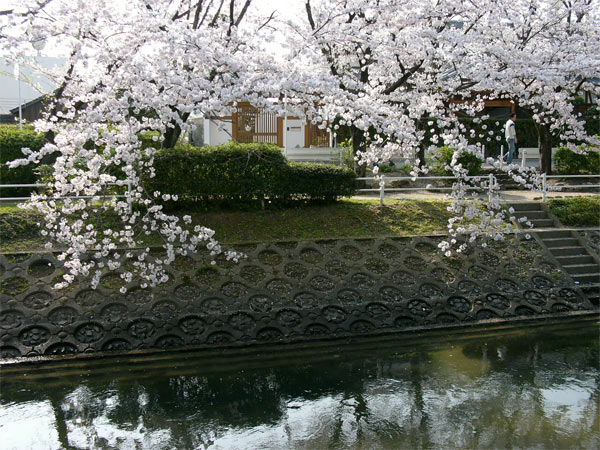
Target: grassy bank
{"x": 348, "y": 218}
{"x": 577, "y": 211}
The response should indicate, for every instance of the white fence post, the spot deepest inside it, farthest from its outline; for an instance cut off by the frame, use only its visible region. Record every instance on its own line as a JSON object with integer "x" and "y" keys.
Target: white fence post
{"x": 129, "y": 200}
{"x": 502, "y": 154}
{"x": 381, "y": 190}
{"x": 523, "y": 155}
{"x": 544, "y": 187}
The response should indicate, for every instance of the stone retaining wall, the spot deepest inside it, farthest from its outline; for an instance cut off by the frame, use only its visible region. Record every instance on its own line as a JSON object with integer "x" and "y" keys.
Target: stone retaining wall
{"x": 281, "y": 292}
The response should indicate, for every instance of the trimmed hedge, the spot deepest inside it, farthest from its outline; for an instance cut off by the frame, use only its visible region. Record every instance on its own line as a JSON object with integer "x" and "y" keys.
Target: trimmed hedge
{"x": 576, "y": 211}
{"x": 234, "y": 175}
{"x": 470, "y": 162}
{"x": 568, "y": 162}
{"x": 12, "y": 140}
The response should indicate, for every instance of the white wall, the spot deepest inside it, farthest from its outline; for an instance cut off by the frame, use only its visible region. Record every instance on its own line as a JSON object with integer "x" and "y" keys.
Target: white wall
{"x": 295, "y": 133}
{"x": 220, "y": 131}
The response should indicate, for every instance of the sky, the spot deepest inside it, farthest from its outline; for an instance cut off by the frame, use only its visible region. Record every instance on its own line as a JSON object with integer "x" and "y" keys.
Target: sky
{"x": 33, "y": 85}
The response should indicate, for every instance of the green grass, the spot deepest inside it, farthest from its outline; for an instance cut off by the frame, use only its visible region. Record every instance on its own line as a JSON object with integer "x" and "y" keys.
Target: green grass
{"x": 577, "y": 211}
{"x": 344, "y": 219}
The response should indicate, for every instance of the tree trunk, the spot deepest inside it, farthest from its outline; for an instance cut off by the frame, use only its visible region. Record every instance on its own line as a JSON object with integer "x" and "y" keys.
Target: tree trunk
{"x": 358, "y": 144}
{"x": 545, "y": 148}
{"x": 172, "y": 135}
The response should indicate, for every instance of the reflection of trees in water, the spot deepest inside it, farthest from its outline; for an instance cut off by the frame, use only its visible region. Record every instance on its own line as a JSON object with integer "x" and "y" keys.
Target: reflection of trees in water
{"x": 504, "y": 405}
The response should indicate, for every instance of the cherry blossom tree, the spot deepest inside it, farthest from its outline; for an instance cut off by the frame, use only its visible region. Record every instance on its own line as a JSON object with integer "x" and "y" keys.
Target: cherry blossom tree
{"x": 383, "y": 68}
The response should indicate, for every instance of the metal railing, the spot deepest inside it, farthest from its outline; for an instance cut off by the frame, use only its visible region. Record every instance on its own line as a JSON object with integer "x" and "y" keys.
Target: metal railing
{"x": 40, "y": 185}
{"x": 489, "y": 186}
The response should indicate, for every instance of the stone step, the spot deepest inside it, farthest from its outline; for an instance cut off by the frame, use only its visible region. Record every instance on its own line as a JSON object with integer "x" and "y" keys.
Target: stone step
{"x": 553, "y": 234}
{"x": 567, "y": 251}
{"x": 529, "y": 206}
{"x": 542, "y": 223}
{"x": 531, "y": 214}
{"x": 592, "y": 292}
{"x": 573, "y": 269}
{"x": 561, "y": 242}
{"x": 587, "y": 278}
{"x": 575, "y": 259}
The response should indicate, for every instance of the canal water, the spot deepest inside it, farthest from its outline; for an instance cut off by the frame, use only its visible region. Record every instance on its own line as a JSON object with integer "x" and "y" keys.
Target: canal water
{"x": 503, "y": 387}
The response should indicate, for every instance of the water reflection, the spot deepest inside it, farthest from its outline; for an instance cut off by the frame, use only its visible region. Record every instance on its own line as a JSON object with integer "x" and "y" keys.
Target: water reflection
{"x": 525, "y": 390}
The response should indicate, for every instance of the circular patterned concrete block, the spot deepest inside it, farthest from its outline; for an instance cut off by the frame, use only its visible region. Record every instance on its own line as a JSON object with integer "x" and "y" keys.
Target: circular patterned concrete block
{"x": 390, "y": 294}
{"x": 377, "y": 266}
{"x": 560, "y": 307}
{"x": 569, "y": 295}
{"x": 497, "y": 301}
{"x": 116, "y": 345}
{"x": 61, "y": 348}
{"x": 220, "y": 337}
{"x": 403, "y": 278}
{"x": 443, "y": 275}
{"x": 404, "y": 321}
{"x": 295, "y": 270}
{"x": 89, "y": 297}
{"x": 415, "y": 263}
{"x": 165, "y": 310}
{"x": 89, "y": 332}
{"x": 41, "y": 268}
{"x": 321, "y": 283}
{"x": 38, "y": 300}
{"x": 478, "y": 273}
{"x": 141, "y": 329}
{"x": 114, "y": 313}
{"x": 349, "y": 297}
{"x": 316, "y": 329}
{"x": 485, "y": 314}
{"x": 242, "y": 321}
{"x": 469, "y": 287}
{"x": 336, "y": 268}
{"x": 429, "y": 290}
{"x": 535, "y": 298}
{"x": 260, "y": 303}
{"x": 459, "y": 304}
{"x": 187, "y": 293}
{"x": 11, "y": 318}
{"x": 351, "y": 253}
{"x": 280, "y": 287}
{"x": 192, "y": 325}
{"x": 362, "y": 281}
{"x": 234, "y": 290}
{"x": 213, "y": 306}
{"x": 63, "y": 316}
{"x": 334, "y": 314}
{"x": 507, "y": 286}
{"x": 446, "y": 318}
{"x": 289, "y": 318}
{"x": 169, "y": 340}
{"x": 419, "y": 307}
{"x": 270, "y": 258}
{"x": 524, "y": 311}
{"x": 13, "y": 285}
{"x": 269, "y": 334}
{"x": 253, "y": 274}
{"x": 541, "y": 282}
{"x": 8, "y": 352}
{"x": 361, "y": 326}
{"x": 306, "y": 300}
{"x": 35, "y": 335}
{"x": 389, "y": 252}
{"x": 378, "y": 311}
{"x": 207, "y": 276}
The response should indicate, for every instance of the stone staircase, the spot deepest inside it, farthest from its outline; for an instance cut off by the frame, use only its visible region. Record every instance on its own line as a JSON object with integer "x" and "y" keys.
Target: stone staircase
{"x": 566, "y": 247}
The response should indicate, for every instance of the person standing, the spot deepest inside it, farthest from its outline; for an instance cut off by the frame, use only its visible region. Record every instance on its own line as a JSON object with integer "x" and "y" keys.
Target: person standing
{"x": 510, "y": 134}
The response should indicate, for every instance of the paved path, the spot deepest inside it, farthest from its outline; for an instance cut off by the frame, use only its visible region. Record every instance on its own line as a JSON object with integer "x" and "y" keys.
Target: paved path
{"x": 508, "y": 196}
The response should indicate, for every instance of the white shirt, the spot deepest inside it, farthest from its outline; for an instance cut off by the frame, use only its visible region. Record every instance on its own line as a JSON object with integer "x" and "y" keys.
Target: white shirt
{"x": 509, "y": 130}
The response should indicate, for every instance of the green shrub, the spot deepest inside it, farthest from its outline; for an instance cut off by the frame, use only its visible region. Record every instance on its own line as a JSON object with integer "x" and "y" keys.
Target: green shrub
{"x": 243, "y": 175}
{"x": 577, "y": 211}
{"x": 469, "y": 161}
{"x": 568, "y": 162}
{"x": 12, "y": 140}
